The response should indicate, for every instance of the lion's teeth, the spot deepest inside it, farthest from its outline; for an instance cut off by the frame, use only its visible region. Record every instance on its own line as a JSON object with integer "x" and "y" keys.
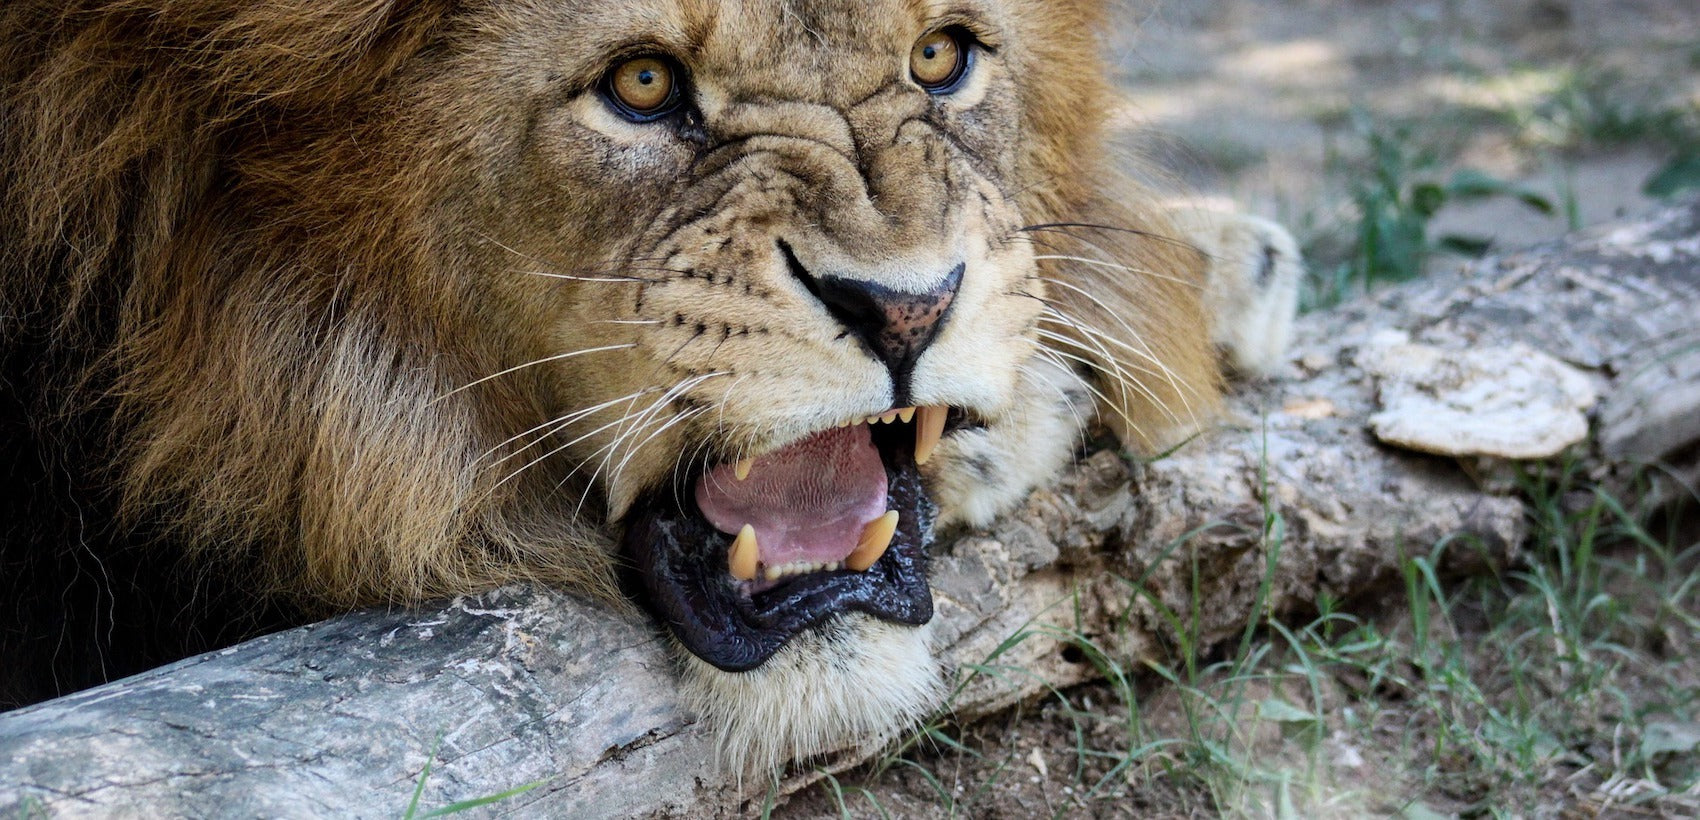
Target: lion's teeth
{"x": 742, "y": 471}
{"x": 928, "y": 430}
{"x": 907, "y": 414}
{"x": 888, "y": 417}
{"x": 876, "y": 537}
{"x": 741, "y": 559}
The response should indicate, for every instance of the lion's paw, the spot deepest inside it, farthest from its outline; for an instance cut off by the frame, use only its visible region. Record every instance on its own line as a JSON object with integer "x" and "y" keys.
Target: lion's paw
{"x": 1254, "y": 274}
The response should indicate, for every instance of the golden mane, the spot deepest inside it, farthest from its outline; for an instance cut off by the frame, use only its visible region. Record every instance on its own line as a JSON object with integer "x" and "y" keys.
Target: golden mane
{"x": 231, "y": 315}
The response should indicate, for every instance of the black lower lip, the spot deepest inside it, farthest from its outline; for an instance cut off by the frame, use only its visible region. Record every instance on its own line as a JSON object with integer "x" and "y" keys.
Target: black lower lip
{"x": 678, "y": 561}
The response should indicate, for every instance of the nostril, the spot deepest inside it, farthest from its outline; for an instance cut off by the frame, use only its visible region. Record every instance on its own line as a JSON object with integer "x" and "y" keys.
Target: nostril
{"x": 855, "y": 307}
{"x": 895, "y": 326}
{"x": 797, "y": 270}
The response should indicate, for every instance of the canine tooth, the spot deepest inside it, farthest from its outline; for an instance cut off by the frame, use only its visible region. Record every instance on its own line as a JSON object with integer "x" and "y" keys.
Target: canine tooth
{"x": 928, "y": 430}
{"x": 876, "y": 537}
{"x": 742, "y": 471}
{"x": 741, "y": 559}
{"x": 907, "y": 414}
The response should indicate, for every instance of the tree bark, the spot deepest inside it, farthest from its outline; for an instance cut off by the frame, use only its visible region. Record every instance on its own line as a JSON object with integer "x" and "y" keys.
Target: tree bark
{"x": 1292, "y": 497}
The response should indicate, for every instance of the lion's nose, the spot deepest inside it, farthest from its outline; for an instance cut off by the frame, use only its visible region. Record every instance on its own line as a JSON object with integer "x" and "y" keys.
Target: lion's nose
{"x": 896, "y": 326}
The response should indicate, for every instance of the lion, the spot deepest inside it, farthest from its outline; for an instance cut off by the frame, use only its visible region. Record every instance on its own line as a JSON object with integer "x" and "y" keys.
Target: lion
{"x": 725, "y": 309}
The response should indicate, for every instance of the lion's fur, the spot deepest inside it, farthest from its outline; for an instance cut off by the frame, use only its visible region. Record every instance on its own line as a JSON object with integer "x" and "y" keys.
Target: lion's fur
{"x": 185, "y": 206}
{"x": 236, "y": 251}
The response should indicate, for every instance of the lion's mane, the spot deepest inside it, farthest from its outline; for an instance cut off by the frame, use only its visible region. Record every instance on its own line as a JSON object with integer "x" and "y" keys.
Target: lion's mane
{"x": 232, "y": 322}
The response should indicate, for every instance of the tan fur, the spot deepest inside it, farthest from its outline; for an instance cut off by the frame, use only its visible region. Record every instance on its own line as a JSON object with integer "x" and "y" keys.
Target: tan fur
{"x": 238, "y": 173}
{"x": 293, "y": 243}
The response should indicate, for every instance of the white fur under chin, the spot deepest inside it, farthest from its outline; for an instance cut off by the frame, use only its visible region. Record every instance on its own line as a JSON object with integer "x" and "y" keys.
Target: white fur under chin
{"x": 853, "y": 681}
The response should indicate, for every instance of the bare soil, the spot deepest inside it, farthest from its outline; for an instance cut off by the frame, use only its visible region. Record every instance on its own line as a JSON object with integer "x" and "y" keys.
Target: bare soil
{"x": 1250, "y": 98}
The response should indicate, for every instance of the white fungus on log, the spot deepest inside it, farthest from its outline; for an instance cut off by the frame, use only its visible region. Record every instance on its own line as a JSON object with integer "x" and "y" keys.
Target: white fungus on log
{"x": 1510, "y": 402}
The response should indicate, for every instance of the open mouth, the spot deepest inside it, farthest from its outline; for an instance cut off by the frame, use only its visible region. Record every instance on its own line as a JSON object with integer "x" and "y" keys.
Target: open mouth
{"x": 739, "y": 557}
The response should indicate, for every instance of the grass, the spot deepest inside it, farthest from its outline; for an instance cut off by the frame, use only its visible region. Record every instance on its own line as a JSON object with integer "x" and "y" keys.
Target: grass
{"x": 1392, "y": 175}
{"x": 1396, "y": 185}
{"x": 1572, "y": 680}
{"x": 415, "y": 810}
{"x": 1591, "y": 109}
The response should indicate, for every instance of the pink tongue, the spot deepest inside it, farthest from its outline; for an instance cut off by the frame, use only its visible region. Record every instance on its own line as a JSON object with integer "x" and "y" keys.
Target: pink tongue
{"x": 807, "y": 502}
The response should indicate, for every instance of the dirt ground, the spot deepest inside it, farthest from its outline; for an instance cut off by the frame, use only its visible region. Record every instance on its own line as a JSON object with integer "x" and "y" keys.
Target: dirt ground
{"x": 1250, "y": 98}
{"x": 1265, "y": 103}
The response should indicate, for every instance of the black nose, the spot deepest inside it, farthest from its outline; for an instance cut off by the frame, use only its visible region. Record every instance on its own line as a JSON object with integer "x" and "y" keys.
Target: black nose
{"x": 896, "y": 326}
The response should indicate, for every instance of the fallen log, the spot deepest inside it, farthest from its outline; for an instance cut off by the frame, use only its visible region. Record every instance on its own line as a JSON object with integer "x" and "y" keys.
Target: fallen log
{"x": 1384, "y": 438}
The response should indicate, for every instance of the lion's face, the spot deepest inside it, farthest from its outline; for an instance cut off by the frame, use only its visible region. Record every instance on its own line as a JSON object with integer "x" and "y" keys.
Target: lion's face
{"x": 743, "y": 299}
{"x": 799, "y": 235}
{"x": 765, "y": 262}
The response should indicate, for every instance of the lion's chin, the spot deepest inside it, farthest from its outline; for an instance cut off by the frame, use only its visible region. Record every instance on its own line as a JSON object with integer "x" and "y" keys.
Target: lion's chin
{"x": 851, "y": 681}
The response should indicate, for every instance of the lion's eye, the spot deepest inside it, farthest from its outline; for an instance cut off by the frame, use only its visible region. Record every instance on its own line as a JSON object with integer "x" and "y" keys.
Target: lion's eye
{"x": 643, "y": 88}
{"x": 939, "y": 60}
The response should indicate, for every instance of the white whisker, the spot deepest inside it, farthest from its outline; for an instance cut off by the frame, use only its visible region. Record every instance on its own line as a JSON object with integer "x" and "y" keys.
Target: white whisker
{"x": 640, "y": 421}
{"x": 1097, "y": 338}
{"x": 1146, "y": 353}
{"x": 571, "y": 277}
{"x": 1118, "y": 378}
{"x": 669, "y": 424}
{"x": 1062, "y": 395}
{"x": 528, "y": 465}
{"x": 1111, "y": 366}
{"x": 546, "y": 359}
{"x": 1056, "y": 358}
{"x": 556, "y": 424}
{"x": 1108, "y": 265}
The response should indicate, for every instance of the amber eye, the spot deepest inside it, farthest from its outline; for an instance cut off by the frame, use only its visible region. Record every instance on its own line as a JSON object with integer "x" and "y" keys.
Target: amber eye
{"x": 643, "y": 88}
{"x": 938, "y": 61}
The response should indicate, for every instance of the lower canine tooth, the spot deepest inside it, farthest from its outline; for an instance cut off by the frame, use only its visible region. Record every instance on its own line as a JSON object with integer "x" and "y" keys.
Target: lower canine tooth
{"x": 742, "y": 471}
{"x": 741, "y": 559}
{"x": 928, "y": 429}
{"x": 876, "y": 537}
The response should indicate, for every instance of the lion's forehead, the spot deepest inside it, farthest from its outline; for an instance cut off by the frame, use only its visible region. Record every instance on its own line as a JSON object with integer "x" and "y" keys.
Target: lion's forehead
{"x": 829, "y": 52}
{"x": 833, "y": 52}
